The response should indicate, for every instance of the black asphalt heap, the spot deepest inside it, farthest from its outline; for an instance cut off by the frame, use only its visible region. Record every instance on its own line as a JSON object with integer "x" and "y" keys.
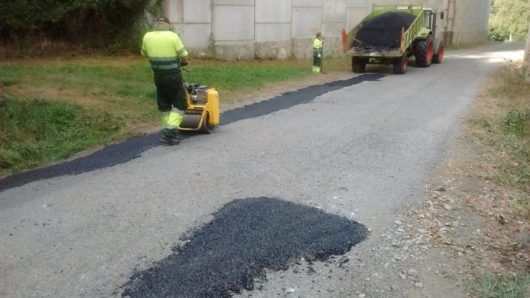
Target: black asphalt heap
{"x": 120, "y": 153}
{"x": 244, "y": 238}
{"x": 383, "y": 32}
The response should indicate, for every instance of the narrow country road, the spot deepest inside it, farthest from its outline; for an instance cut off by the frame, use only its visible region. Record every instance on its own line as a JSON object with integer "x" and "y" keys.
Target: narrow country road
{"x": 361, "y": 151}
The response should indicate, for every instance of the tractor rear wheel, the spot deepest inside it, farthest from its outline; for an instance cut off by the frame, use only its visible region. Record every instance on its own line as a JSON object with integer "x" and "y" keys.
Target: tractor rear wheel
{"x": 400, "y": 65}
{"x": 440, "y": 55}
{"x": 358, "y": 65}
{"x": 424, "y": 52}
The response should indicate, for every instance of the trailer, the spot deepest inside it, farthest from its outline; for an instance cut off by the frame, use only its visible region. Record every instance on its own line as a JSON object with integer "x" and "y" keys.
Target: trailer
{"x": 392, "y": 35}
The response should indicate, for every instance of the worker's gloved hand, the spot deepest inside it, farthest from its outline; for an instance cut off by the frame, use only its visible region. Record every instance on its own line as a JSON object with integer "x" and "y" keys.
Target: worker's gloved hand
{"x": 319, "y": 56}
{"x": 184, "y": 62}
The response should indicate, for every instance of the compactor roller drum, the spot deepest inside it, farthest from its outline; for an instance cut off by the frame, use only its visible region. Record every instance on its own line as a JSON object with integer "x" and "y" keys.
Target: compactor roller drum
{"x": 202, "y": 114}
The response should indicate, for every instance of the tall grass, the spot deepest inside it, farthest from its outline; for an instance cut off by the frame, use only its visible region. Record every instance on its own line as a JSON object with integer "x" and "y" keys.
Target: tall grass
{"x": 502, "y": 286}
{"x": 37, "y": 131}
{"x": 503, "y": 127}
{"x": 52, "y": 108}
{"x": 509, "y": 131}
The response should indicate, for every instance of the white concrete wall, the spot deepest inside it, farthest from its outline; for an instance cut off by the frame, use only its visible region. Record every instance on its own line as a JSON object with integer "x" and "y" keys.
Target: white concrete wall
{"x": 471, "y": 21}
{"x": 192, "y": 20}
{"x": 239, "y": 29}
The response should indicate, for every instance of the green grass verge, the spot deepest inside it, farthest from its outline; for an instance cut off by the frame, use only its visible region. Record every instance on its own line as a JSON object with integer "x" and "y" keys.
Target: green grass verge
{"x": 38, "y": 131}
{"x": 509, "y": 132}
{"x": 133, "y": 77}
{"x": 502, "y": 286}
{"x": 504, "y": 129}
{"x": 53, "y": 108}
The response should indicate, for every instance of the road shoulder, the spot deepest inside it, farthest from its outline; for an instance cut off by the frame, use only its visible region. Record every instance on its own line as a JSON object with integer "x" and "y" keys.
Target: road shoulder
{"x": 469, "y": 235}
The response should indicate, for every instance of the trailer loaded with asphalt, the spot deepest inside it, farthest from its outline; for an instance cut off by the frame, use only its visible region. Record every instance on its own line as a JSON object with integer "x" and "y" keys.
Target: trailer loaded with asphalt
{"x": 392, "y": 35}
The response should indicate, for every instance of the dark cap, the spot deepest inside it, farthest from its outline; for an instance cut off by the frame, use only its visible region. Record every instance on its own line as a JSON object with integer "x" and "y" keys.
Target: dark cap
{"x": 162, "y": 19}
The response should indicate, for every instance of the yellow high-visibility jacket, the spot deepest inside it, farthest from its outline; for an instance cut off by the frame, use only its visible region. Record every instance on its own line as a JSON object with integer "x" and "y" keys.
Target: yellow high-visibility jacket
{"x": 317, "y": 46}
{"x": 164, "y": 50}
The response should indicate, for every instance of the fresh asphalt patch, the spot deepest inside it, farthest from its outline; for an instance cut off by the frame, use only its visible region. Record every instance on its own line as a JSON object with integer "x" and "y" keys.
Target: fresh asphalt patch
{"x": 245, "y": 237}
{"x": 293, "y": 98}
{"x": 119, "y": 153}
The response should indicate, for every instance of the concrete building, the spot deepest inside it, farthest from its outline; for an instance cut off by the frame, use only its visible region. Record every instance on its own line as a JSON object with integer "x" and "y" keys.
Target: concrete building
{"x": 242, "y": 29}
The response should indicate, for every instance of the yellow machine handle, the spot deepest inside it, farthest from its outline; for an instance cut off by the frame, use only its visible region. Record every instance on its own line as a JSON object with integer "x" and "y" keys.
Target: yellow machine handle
{"x": 213, "y": 106}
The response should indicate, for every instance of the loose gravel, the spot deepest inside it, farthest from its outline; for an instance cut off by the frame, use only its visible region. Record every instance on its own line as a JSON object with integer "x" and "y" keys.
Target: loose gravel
{"x": 384, "y": 31}
{"x": 246, "y": 237}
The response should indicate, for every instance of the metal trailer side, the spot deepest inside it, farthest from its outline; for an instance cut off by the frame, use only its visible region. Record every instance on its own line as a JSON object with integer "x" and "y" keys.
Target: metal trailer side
{"x": 397, "y": 56}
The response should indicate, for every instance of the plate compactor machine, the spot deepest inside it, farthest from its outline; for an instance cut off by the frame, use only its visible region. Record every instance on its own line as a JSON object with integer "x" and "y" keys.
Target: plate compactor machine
{"x": 202, "y": 113}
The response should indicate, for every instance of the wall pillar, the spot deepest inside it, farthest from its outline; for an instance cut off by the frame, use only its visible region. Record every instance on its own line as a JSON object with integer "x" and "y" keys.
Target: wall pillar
{"x": 526, "y": 62}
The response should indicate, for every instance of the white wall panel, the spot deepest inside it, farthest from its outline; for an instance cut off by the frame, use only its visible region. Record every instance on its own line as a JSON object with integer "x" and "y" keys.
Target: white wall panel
{"x": 333, "y": 29}
{"x": 234, "y": 22}
{"x": 307, "y": 3}
{"x": 355, "y": 16}
{"x": 196, "y": 11}
{"x": 334, "y": 10}
{"x": 268, "y": 22}
{"x": 306, "y": 22}
{"x": 273, "y": 11}
{"x": 232, "y": 2}
{"x": 194, "y": 35}
{"x": 358, "y": 3}
{"x": 436, "y": 5}
{"x": 273, "y": 32}
{"x": 173, "y": 10}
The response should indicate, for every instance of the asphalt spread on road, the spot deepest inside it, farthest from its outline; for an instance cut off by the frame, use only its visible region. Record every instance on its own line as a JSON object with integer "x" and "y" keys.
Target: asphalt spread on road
{"x": 245, "y": 237}
{"x": 119, "y": 153}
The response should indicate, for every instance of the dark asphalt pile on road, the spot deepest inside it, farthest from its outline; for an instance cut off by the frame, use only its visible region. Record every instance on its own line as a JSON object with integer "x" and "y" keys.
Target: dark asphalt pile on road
{"x": 383, "y": 32}
{"x": 115, "y": 154}
{"x": 244, "y": 238}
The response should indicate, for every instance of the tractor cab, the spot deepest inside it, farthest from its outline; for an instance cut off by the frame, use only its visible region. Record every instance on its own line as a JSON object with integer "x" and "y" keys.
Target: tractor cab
{"x": 429, "y": 18}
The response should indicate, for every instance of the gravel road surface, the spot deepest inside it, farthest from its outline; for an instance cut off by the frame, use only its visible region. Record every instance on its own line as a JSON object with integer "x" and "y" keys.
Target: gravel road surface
{"x": 362, "y": 151}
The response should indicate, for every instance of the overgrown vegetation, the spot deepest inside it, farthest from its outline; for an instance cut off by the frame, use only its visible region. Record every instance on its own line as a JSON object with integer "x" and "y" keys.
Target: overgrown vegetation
{"x": 503, "y": 129}
{"x": 510, "y": 132}
{"x": 37, "y": 131}
{"x": 51, "y": 109}
{"x": 502, "y": 286}
{"x": 509, "y": 20}
{"x": 111, "y": 25}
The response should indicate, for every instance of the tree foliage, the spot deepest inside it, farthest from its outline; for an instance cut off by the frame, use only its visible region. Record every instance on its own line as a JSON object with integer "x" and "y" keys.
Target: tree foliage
{"x": 509, "y": 19}
{"x": 92, "y": 23}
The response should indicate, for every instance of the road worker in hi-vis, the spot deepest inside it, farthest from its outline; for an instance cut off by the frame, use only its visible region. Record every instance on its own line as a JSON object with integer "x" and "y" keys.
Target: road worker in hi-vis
{"x": 167, "y": 54}
{"x": 318, "y": 46}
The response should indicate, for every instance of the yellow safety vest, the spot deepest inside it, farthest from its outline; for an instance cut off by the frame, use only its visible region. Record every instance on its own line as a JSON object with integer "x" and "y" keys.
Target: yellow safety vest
{"x": 164, "y": 49}
{"x": 317, "y": 46}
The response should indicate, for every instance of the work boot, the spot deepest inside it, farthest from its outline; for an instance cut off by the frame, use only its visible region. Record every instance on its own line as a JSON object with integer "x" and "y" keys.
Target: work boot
{"x": 170, "y": 138}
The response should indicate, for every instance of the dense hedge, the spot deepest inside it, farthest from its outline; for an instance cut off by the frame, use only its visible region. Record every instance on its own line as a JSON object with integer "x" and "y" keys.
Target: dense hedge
{"x": 91, "y": 23}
